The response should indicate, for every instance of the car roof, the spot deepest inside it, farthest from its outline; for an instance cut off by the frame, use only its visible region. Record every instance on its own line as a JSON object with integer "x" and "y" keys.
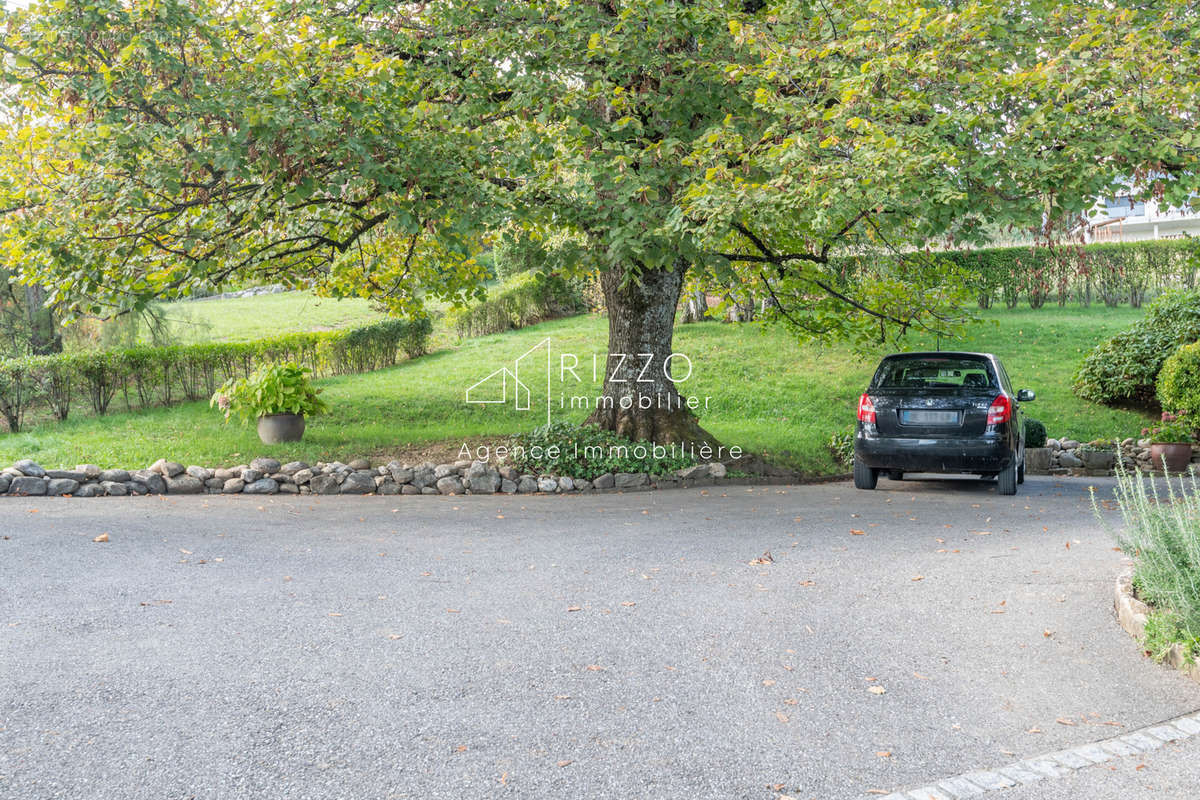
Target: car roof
{"x": 941, "y": 354}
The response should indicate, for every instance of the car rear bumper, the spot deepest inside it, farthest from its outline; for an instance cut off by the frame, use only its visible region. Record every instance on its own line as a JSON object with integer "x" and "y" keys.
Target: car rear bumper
{"x": 988, "y": 453}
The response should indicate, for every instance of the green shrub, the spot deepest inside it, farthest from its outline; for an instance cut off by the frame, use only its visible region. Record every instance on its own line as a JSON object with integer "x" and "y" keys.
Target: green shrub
{"x": 583, "y": 451}
{"x": 1124, "y": 367}
{"x": 841, "y": 446}
{"x": 523, "y": 300}
{"x": 1178, "y": 381}
{"x": 1035, "y": 433}
{"x": 1162, "y": 534}
{"x": 19, "y": 389}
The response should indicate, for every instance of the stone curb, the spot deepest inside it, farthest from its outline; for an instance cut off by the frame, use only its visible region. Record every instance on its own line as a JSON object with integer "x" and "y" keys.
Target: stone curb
{"x": 1056, "y": 764}
{"x": 1132, "y": 613}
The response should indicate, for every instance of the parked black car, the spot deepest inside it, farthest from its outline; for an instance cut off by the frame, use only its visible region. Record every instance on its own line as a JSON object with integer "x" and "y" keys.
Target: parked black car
{"x": 941, "y": 412}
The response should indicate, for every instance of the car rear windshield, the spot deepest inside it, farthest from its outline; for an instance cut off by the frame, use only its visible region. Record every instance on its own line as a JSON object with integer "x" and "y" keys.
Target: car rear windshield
{"x": 954, "y": 372}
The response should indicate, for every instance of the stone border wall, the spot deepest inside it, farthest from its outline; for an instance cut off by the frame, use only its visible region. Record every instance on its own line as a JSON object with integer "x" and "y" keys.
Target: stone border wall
{"x": 1132, "y": 613}
{"x": 1096, "y": 459}
{"x": 267, "y": 476}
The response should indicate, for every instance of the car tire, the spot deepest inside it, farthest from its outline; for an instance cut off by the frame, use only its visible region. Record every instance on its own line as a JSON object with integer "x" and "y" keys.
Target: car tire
{"x": 895, "y": 475}
{"x": 1006, "y": 481}
{"x": 864, "y": 477}
{"x": 1021, "y": 472}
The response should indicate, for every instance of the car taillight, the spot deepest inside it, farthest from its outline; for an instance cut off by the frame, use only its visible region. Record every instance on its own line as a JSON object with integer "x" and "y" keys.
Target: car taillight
{"x": 1000, "y": 410}
{"x": 866, "y": 409}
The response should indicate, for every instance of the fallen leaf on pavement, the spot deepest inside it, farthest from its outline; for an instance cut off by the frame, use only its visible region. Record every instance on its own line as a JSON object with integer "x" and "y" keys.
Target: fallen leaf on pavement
{"x": 876, "y": 689}
{"x": 574, "y": 608}
{"x": 452, "y": 611}
{"x": 101, "y": 538}
{"x": 918, "y": 577}
{"x": 856, "y": 532}
{"x": 884, "y": 753}
{"x": 595, "y": 668}
{"x": 565, "y": 763}
{"x": 782, "y": 717}
{"x": 765, "y": 558}
{"x": 768, "y": 682}
{"x": 920, "y": 676}
{"x": 1062, "y": 721}
{"x": 462, "y": 748}
{"x": 628, "y": 603}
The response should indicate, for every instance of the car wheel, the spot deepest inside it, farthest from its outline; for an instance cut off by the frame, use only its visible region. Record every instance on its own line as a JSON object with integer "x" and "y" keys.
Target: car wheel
{"x": 895, "y": 475}
{"x": 1006, "y": 481}
{"x": 864, "y": 477}
{"x": 1021, "y": 472}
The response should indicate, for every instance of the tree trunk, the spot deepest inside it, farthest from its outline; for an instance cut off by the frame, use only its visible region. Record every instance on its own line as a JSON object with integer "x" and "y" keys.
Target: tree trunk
{"x": 43, "y": 339}
{"x": 696, "y": 307}
{"x": 639, "y": 400}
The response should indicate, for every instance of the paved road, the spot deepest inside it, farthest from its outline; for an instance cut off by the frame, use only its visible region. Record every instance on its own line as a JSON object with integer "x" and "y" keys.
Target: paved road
{"x": 237, "y": 647}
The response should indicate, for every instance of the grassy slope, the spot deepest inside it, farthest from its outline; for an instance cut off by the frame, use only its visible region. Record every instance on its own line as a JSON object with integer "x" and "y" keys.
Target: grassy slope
{"x": 243, "y": 318}
{"x": 769, "y": 395}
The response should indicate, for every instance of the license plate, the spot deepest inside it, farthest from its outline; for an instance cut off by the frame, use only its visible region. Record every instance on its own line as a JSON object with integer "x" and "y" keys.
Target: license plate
{"x": 921, "y": 416}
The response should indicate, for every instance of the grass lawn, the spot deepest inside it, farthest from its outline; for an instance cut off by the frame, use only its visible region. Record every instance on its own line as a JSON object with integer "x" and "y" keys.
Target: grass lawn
{"x": 244, "y": 318}
{"x": 768, "y": 394}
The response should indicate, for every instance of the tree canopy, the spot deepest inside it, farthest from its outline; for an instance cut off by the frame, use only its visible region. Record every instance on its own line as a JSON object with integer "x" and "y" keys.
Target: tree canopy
{"x": 369, "y": 147}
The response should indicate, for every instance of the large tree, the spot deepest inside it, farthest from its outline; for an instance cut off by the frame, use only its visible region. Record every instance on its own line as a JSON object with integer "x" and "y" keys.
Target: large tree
{"x": 811, "y": 150}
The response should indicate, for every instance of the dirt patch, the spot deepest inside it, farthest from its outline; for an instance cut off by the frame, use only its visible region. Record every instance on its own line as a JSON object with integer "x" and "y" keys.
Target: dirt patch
{"x": 446, "y": 451}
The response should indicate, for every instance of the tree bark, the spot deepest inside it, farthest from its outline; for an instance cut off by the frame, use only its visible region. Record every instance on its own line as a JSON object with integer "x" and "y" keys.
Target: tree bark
{"x": 695, "y": 309}
{"x": 640, "y": 400}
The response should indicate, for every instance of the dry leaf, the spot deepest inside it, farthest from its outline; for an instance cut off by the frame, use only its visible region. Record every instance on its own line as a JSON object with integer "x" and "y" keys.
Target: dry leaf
{"x": 462, "y": 748}
{"x": 394, "y": 636}
{"x": 334, "y": 614}
{"x": 920, "y": 676}
{"x": 782, "y": 717}
{"x": 574, "y": 608}
{"x": 765, "y": 558}
{"x": 452, "y": 611}
{"x": 856, "y": 532}
{"x": 884, "y": 753}
{"x": 918, "y": 577}
{"x": 768, "y": 682}
{"x": 565, "y": 763}
{"x": 791, "y": 701}
{"x": 185, "y": 552}
{"x": 1047, "y": 633}
{"x": 628, "y": 603}
{"x": 876, "y": 689}
{"x": 1062, "y": 721}
{"x": 101, "y": 538}
{"x": 595, "y": 668}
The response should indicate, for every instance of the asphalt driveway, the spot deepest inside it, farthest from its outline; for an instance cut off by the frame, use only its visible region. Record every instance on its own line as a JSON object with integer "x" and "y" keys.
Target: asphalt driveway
{"x": 621, "y": 646}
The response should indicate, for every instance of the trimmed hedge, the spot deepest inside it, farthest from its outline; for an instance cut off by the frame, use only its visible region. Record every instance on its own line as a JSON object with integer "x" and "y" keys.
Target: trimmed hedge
{"x": 525, "y": 299}
{"x": 1124, "y": 368}
{"x": 1178, "y": 381}
{"x": 147, "y": 376}
{"x": 1111, "y": 273}
{"x": 1035, "y": 433}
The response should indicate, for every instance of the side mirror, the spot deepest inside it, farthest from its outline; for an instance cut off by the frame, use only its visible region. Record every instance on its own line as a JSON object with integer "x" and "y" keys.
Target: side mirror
{"x": 1025, "y": 395}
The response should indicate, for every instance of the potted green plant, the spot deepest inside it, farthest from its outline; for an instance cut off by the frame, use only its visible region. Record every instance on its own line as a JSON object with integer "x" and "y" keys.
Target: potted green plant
{"x": 278, "y": 395}
{"x": 1171, "y": 441}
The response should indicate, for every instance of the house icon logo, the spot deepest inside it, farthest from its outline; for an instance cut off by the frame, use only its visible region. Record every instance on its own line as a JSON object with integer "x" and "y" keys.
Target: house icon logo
{"x": 505, "y": 385}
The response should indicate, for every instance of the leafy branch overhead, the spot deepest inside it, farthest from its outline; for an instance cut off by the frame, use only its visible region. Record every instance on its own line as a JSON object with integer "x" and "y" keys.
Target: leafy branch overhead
{"x": 811, "y": 150}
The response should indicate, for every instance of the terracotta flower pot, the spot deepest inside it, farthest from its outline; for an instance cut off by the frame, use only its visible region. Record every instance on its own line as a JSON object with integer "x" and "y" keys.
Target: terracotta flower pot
{"x": 276, "y": 428}
{"x": 1177, "y": 455}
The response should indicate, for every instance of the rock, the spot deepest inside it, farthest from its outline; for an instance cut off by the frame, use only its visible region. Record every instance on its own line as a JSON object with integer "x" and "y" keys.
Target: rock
{"x": 90, "y": 471}
{"x": 565, "y": 484}
{"x": 289, "y": 488}
{"x": 482, "y": 479}
{"x": 400, "y": 474}
{"x": 1053, "y": 444}
{"x": 61, "y": 486}
{"x": 29, "y": 468}
{"x": 114, "y": 489}
{"x": 424, "y": 477}
{"x": 224, "y": 474}
{"x": 462, "y": 464}
{"x": 119, "y": 475}
{"x": 302, "y": 477}
{"x": 153, "y": 481}
{"x": 508, "y": 486}
{"x": 90, "y": 490}
{"x": 547, "y": 484}
{"x": 360, "y": 482}
{"x": 5, "y": 482}
{"x": 265, "y": 465}
{"x": 324, "y": 484}
{"x": 408, "y": 488}
{"x": 694, "y": 472}
{"x": 136, "y": 488}
{"x": 233, "y": 486}
{"x": 527, "y": 484}
{"x": 668, "y": 481}
{"x": 717, "y": 470}
{"x": 450, "y": 484}
{"x": 631, "y": 480}
{"x": 250, "y": 474}
{"x": 508, "y": 473}
{"x": 1037, "y": 460}
{"x": 1128, "y": 442}
{"x": 171, "y": 469}
{"x": 360, "y": 463}
{"x": 261, "y": 486}
{"x": 388, "y": 487}
{"x": 214, "y": 483}
{"x": 605, "y": 481}
{"x": 442, "y": 470}
{"x": 582, "y": 485}
{"x": 28, "y": 486}
{"x": 429, "y": 490}
{"x": 199, "y": 473}
{"x": 184, "y": 484}
{"x": 71, "y": 474}
{"x": 1069, "y": 444}
{"x": 1069, "y": 459}
{"x": 292, "y": 467}
{"x": 281, "y": 478}
{"x": 1098, "y": 459}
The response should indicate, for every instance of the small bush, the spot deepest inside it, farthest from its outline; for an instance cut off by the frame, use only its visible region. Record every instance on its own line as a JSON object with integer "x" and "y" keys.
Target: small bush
{"x": 1124, "y": 368}
{"x": 841, "y": 446}
{"x": 1162, "y": 535}
{"x": 1035, "y": 433}
{"x": 525, "y": 299}
{"x": 1178, "y": 381}
{"x": 583, "y": 451}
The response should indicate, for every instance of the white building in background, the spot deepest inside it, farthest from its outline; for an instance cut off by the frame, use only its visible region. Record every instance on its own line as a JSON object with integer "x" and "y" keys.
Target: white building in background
{"x": 1123, "y": 219}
